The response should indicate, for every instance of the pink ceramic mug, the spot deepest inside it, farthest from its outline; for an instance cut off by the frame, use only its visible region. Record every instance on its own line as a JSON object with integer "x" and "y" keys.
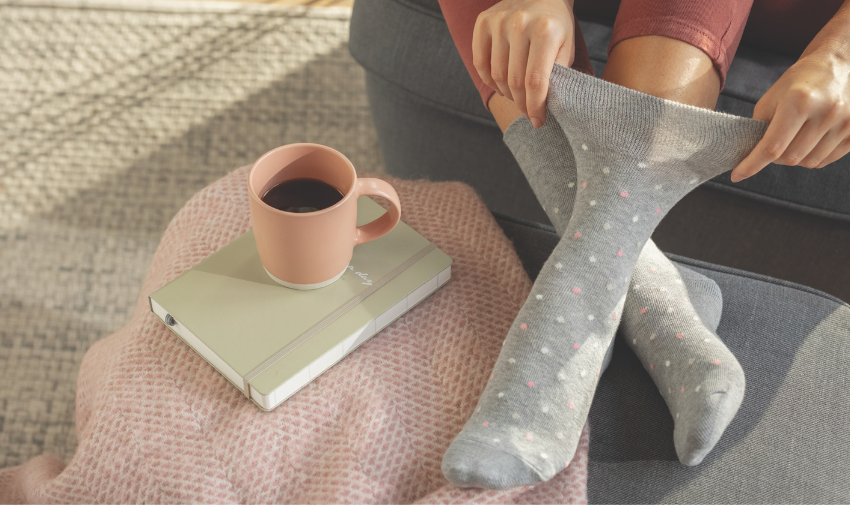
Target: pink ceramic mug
{"x": 311, "y": 250}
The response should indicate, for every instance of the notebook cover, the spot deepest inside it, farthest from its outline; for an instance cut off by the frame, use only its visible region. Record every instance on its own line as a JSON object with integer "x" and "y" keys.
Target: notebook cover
{"x": 229, "y": 303}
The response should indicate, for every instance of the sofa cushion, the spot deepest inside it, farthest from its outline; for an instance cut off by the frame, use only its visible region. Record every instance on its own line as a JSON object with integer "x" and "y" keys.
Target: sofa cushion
{"x": 790, "y": 438}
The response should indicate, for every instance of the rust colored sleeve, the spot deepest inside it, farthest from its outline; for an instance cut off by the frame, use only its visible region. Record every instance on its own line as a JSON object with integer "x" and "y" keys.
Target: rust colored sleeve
{"x": 460, "y": 16}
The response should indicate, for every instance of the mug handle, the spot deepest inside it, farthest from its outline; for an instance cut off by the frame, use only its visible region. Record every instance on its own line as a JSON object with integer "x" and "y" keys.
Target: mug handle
{"x": 384, "y": 224}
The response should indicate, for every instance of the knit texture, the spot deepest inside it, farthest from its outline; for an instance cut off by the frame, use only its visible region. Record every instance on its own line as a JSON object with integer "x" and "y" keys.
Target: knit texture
{"x": 664, "y": 300}
{"x": 636, "y": 156}
{"x": 157, "y": 424}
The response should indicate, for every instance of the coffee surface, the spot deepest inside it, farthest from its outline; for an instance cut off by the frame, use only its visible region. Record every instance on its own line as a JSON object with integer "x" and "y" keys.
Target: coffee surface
{"x": 302, "y": 195}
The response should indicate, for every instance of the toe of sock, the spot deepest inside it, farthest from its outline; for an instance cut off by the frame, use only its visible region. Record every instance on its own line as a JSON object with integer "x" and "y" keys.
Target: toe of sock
{"x": 696, "y": 437}
{"x": 471, "y": 464}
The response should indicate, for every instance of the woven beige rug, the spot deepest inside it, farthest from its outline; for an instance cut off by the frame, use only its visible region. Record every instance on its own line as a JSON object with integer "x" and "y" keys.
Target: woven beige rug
{"x": 112, "y": 114}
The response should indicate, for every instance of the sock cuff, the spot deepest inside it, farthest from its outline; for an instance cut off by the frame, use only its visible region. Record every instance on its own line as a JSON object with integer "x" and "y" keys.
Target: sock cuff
{"x": 647, "y": 126}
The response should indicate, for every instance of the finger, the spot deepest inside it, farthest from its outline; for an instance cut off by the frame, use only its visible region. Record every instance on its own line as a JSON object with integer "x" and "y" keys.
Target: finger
{"x": 783, "y": 127}
{"x": 804, "y": 142}
{"x": 481, "y": 42}
{"x": 541, "y": 59}
{"x": 499, "y": 65}
{"x": 516, "y": 72}
{"x": 824, "y": 148}
{"x": 838, "y": 153}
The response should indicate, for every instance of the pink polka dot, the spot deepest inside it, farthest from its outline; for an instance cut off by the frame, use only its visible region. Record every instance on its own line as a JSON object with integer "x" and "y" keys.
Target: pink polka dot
{"x": 530, "y": 384}
{"x": 491, "y": 377}
{"x": 576, "y": 290}
{"x": 571, "y": 405}
{"x": 658, "y": 210}
{"x": 614, "y": 316}
{"x": 576, "y": 234}
{"x": 652, "y": 269}
{"x": 651, "y": 366}
{"x": 683, "y": 389}
{"x": 716, "y": 362}
{"x": 485, "y": 423}
{"x": 679, "y": 335}
{"x": 584, "y": 184}
{"x": 575, "y": 346}
{"x": 624, "y": 194}
{"x": 597, "y": 371}
{"x": 523, "y": 326}
{"x": 643, "y": 310}
{"x": 566, "y": 464}
{"x": 529, "y": 436}
{"x": 686, "y": 299}
{"x": 620, "y": 253}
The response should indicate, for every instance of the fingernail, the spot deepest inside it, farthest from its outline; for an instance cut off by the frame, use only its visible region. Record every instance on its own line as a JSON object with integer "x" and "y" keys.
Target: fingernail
{"x": 736, "y": 177}
{"x": 536, "y": 122}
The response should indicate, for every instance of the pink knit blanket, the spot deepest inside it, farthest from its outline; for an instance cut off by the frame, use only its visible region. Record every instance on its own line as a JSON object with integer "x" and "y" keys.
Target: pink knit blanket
{"x": 156, "y": 423}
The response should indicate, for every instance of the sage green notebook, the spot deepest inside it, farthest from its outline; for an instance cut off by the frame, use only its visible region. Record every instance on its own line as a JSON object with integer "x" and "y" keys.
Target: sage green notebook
{"x": 270, "y": 341}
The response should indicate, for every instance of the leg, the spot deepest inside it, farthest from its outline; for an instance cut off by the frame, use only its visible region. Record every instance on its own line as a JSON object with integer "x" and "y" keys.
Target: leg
{"x": 665, "y": 67}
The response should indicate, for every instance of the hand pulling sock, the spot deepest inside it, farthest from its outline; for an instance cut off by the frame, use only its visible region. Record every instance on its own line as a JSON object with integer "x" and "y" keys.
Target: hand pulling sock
{"x": 636, "y": 155}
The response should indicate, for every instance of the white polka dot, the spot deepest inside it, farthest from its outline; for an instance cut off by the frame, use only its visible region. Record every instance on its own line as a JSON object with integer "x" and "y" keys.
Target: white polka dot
{"x": 515, "y": 415}
{"x": 691, "y": 361}
{"x": 697, "y": 389}
{"x": 592, "y": 203}
{"x": 609, "y": 287}
{"x": 501, "y": 394}
{"x": 570, "y": 185}
{"x": 642, "y": 165}
{"x": 605, "y": 170}
{"x": 667, "y": 363}
{"x": 590, "y": 317}
{"x": 669, "y": 310}
{"x": 555, "y": 210}
{"x": 511, "y": 361}
{"x": 544, "y": 409}
{"x": 652, "y": 337}
{"x": 707, "y": 340}
{"x": 584, "y": 147}
{"x": 478, "y": 409}
{"x": 539, "y": 297}
{"x": 496, "y": 440}
{"x": 559, "y": 436}
{"x": 634, "y": 341}
{"x": 658, "y": 186}
{"x": 562, "y": 377}
{"x": 606, "y": 226}
{"x": 635, "y": 219}
{"x": 583, "y": 373}
{"x": 545, "y": 350}
{"x": 543, "y": 455}
{"x": 694, "y": 181}
{"x": 696, "y": 318}
{"x": 637, "y": 287}
{"x": 558, "y": 265}
{"x": 677, "y": 415}
{"x": 592, "y": 259}
{"x": 560, "y": 319}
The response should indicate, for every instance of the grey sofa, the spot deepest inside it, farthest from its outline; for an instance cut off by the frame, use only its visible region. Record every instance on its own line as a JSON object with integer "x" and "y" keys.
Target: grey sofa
{"x": 790, "y": 442}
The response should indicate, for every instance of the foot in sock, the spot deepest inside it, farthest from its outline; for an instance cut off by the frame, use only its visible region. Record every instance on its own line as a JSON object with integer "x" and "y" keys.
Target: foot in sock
{"x": 545, "y": 156}
{"x": 636, "y": 156}
{"x": 698, "y": 376}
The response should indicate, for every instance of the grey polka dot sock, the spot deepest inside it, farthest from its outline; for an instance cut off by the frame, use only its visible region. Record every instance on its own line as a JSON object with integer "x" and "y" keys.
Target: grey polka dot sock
{"x": 664, "y": 299}
{"x": 699, "y": 378}
{"x": 636, "y": 156}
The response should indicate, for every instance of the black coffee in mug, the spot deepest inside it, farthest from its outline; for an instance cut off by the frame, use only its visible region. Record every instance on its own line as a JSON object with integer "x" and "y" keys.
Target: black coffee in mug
{"x": 302, "y": 195}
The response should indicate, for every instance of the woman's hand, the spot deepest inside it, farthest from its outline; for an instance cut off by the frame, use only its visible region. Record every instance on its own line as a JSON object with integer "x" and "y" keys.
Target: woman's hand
{"x": 515, "y": 44}
{"x": 808, "y": 109}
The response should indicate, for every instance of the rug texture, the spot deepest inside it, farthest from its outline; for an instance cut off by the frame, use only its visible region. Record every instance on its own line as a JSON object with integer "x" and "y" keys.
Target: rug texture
{"x": 156, "y": 423}
{"x": 112, "y": 115}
